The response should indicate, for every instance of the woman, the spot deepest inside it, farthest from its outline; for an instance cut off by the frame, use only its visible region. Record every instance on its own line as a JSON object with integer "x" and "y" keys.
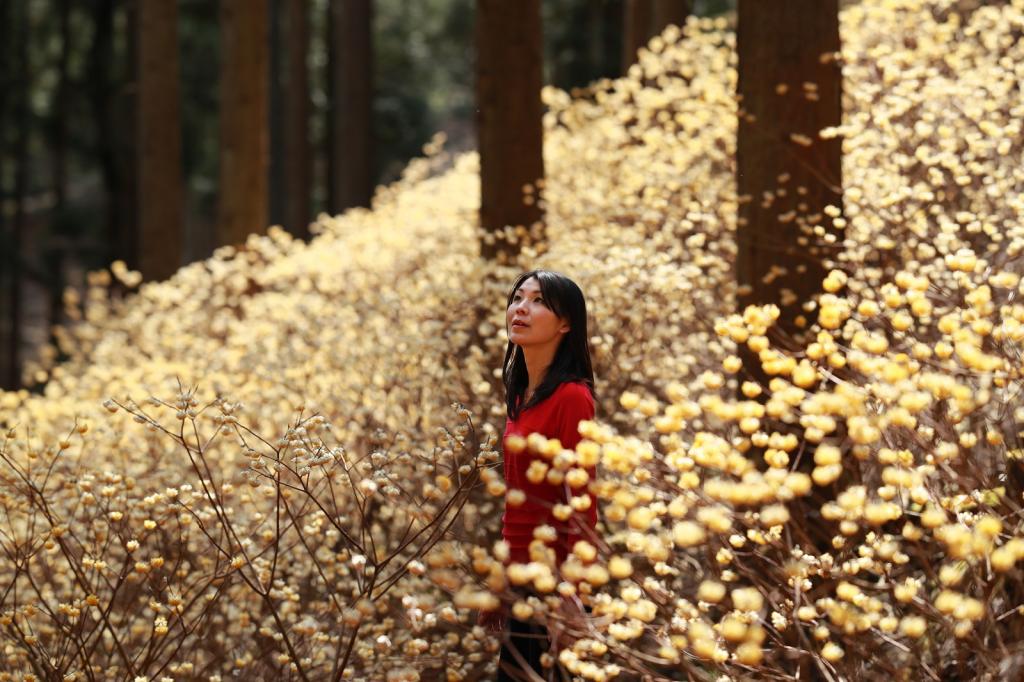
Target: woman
{"x": 549, "y": 389}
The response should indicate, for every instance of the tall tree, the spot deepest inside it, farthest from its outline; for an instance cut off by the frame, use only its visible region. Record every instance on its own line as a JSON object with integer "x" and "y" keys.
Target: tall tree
{"x": 596, "y": 47}
{"x": 509, "y": 111}
{"x": 670, "y": 12}
{"x": 59, "y": 132}
{"x": 350, "y": 165}
{"x": 644, "y": 19}
{"x": 160, "y": 177}
{"x": 244, "y": 135}
{"x": 21, "y": 117}
{"x": 275, "y": 108}
{"x": 790, "y": 88}
{"x": 56, "y": 246}
{"x": 11, "y": 106}
{"x": 636, "y": 29}
{"x": 107, "y": 103}
{"x": 297, "y": 160}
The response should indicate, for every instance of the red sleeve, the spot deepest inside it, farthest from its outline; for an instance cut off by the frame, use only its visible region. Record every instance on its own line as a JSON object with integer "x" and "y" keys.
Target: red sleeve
{"x": 576, "y": 405}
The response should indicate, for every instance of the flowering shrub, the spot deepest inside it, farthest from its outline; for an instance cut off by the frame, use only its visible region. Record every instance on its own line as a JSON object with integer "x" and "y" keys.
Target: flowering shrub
{"x": 293, "y": 569}
{"x": 313, "y": 508}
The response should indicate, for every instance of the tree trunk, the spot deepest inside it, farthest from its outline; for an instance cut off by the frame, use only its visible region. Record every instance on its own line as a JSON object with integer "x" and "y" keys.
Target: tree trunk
{"x": 636, "y": 31}
{"x": 784, "y": 184}
{"x": 160, "y": 176}
{"x": 60, "y": 108}
{"x": 350, "y": 167}
{"x": 55, "y": 249}
{"x": 779, "y": 153}
{"x": 509, "y": 111}
{"x": 670, "y": 12}
{"x": 297, "y": 160}
{"x": 6, "y": 87}
{"x": 275, "y": 108}
{"x": 22, "y": 120}
{"x": 101, "y": 58}
{"x": 596, "y": 47}
{"x": 124, "y": 115}
{"x": 244, "y": 139}
{"x": 645, "y": 19}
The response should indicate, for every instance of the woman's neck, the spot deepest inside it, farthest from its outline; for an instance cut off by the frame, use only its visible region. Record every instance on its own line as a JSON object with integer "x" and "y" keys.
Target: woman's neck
{"x": 538, "y": 359}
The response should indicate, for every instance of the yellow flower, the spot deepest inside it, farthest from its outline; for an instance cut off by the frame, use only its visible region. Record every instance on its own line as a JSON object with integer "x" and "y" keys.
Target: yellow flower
{"x": 687, "y": 534}
{"x": 749, "y": 653}
{"x": 711, "y": 591}
{"x": 620, "y": 567}
{"x": 747, "y": 599}
{"x": 536, "y": 471}
{"x": 832, "y": 652}
{"x": 629, "y": 400}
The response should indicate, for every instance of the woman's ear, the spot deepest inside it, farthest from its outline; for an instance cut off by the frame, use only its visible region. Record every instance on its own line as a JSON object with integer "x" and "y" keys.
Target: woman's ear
{"x": 564, "y": 329}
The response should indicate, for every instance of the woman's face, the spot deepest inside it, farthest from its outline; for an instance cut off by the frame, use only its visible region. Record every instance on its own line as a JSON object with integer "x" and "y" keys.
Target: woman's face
{"x": 529, "y": 320}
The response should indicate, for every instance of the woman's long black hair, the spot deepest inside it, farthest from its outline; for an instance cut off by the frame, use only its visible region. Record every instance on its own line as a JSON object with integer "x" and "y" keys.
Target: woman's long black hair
{"x": 572, "y": 358}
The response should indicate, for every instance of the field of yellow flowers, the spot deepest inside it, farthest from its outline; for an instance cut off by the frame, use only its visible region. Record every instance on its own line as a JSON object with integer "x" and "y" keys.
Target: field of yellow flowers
{"x": 282, "y": 463}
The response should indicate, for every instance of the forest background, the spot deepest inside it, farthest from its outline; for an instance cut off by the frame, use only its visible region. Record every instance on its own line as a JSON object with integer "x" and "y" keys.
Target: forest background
{"x": 71, "y": 115}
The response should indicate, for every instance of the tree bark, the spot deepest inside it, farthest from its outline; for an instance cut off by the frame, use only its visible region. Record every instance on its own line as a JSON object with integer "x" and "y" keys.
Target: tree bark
{"x": 297, "y": 161}
{"x": 670, "y": 12}
{"x": 595, "y": 36}
{"x": 60, "y": 108}
{"x": 22, "y": 119}
{"x": 645, "y": 19}
{"x": 244, "y": 137}
{"x": 275, "y": 108}
{"x": 160, "y": 176}
{"x": 55, "y": 249}
{"x": 350, "y": 167}
{"x": 786, "y": 174}
{"x": 101, "y": 96}
{"x": 637, "y": 20}
{"x": 8, "y": 85}
{"x": 509, "y": 111}
{"x": 5, "y": 86}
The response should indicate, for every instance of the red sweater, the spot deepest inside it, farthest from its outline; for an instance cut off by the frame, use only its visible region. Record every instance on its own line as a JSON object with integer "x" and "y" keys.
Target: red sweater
{"x": 557, "y": 416}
